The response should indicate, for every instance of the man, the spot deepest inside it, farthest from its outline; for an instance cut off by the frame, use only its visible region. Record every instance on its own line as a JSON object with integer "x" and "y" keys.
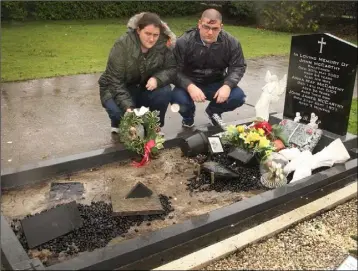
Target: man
{"x": 140, "y": 69}
{"x": 210, "y": 64}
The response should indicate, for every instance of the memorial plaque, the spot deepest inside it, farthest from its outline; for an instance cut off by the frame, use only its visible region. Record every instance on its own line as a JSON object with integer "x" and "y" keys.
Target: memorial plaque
{"x": 51, "y": 224}
{"x": 321, "y": 78}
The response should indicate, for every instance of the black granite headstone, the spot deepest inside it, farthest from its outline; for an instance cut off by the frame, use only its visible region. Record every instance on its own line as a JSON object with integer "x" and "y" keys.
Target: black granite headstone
{"x": 321, "y": 77}
{"x": 139, "y": 191}
{"x": 48, "y": 225}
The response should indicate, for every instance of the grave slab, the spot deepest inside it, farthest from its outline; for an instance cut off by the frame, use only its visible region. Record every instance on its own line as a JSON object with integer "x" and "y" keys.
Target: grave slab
{"x": 50, "y": 224}
{"x": 134, "y": 198}
{"x": 69, "y": 190}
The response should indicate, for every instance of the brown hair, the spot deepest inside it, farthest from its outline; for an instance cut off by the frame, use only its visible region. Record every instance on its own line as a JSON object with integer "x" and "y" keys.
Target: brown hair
{"x": 213, "y": 15}
{"x": 150, "y": 18}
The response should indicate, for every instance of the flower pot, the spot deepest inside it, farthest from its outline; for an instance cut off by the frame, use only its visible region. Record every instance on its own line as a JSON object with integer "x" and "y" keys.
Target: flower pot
{"x": 194, "y": 145}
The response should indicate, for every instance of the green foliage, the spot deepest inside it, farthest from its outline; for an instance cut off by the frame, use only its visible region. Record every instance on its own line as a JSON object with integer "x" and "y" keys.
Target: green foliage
{"x": 129, "y": 131}
{"x": 66, "y": 10}
{"x": 289, "y": 16}
{"x": 353, "y": 122}
{"x": 292, "y": 16}
{"x": 241, "y": 11}
{"x": 13, "y": 10}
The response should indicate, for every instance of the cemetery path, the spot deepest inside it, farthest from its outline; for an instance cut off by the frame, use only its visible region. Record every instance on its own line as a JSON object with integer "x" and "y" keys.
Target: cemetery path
{"x": 56, "y": 117}
{"x": 321, "y": 243}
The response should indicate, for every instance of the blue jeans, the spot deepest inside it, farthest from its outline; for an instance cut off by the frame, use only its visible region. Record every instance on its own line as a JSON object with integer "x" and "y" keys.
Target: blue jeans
{"x": 157, "y": 99}
{"x": 187, "y": 105}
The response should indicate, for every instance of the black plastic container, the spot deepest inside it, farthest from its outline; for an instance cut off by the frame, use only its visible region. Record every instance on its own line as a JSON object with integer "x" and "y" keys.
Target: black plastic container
{"x": 195, "y": 144}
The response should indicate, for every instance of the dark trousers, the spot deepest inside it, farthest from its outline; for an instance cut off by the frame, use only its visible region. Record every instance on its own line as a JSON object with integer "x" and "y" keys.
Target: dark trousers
{"x": 187, "y": 105}
{"x": 157, "y": 99}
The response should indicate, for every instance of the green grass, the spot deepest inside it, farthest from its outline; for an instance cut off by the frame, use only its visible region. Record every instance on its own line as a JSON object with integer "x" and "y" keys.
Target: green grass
{"x": 52, "y": 48}
{"x": 352, "y": 125}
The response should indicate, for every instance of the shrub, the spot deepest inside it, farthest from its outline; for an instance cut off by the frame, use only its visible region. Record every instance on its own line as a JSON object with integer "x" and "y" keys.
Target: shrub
{"x": 72, "y": 10}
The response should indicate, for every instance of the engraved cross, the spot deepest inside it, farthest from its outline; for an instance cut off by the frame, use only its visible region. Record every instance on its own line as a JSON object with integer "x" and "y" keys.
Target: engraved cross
{"x": 322, "y": 43}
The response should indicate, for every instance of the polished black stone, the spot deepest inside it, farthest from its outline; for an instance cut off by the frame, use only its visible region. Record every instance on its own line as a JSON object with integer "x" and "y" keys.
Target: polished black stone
{"x": 220, "y": 172}
{"x": 242, "y": 156}
{"x": 50, "y": 224}
{"x": 139, "y": 191}
{"x": 320, "y": 80}
{"x": 70, "y": 190}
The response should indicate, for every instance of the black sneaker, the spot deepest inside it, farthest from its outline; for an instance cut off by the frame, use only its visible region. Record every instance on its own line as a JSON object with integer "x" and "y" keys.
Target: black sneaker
{"x": 188, "y": 123}
{"x": 215, "y": 118}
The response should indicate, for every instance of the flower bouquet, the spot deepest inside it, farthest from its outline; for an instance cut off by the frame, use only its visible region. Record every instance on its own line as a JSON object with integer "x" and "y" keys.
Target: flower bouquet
{"x": 259, "y": 138}
{"x": 139, "y": 132}
{"x": 272, "y": 171}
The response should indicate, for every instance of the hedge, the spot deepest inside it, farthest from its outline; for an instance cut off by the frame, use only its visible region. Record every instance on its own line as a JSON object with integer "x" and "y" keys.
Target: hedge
{"x": 72, "y": 10}
{"x": 291, "y": 16}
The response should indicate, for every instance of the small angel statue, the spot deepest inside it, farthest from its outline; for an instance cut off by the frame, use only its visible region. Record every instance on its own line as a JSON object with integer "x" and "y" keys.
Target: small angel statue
{"x": 271, "y": 92}
{"x": 313, "y": 121}
{"x": 298, "y": 117}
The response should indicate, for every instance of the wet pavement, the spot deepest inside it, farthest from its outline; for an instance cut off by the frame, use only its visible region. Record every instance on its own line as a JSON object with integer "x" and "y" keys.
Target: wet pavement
{"x": 55, "y": 117}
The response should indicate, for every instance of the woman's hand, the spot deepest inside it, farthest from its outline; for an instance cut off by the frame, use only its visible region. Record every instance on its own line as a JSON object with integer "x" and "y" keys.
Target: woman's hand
{"x": 152, "y": 84}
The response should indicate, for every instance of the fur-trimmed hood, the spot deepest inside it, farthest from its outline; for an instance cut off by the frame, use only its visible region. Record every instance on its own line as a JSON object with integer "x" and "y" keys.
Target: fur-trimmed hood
{"x": 171, "y": 37}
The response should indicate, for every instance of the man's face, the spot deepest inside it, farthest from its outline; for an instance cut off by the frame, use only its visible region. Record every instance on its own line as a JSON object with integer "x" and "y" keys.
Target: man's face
{"x": 148, "y": 36}
{"x": 209, "y": 30}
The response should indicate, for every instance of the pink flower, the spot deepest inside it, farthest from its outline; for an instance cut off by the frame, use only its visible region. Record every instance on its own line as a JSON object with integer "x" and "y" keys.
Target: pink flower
{"x": 309, "y": 131}
{"x": 283, "y": 122}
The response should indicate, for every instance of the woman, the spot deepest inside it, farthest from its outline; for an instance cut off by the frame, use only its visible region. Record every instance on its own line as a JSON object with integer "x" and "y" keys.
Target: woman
{"x": 139, "y": 70}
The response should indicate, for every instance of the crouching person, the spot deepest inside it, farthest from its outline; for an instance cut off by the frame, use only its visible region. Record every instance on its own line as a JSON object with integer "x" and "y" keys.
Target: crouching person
{"x": 210, "y": 65}
{"x": 140, "y": 69}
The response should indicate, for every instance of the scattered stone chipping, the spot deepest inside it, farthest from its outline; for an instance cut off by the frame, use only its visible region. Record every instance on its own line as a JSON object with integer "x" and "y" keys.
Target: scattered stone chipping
{"x": 319, "y": 243}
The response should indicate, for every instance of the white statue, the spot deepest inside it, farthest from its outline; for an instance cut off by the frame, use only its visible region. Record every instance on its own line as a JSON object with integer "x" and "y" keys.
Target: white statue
{"x": 313, "y": 120}
{"x": 298, "y": 117}
{"x": 271, "y": 92}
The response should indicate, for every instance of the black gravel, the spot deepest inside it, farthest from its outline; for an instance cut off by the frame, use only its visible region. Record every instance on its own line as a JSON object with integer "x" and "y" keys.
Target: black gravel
{"x": 99, "y": 227}
{"x": 249, "y": 176}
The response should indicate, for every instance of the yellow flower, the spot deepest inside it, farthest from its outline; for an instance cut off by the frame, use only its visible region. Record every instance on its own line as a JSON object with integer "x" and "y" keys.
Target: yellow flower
{"x": 252, "y": 136}
{"x": 240, "y": 129}
{"x": 261, "y": 131}
{"x": 264, "y": 142}
{"x": 231, "y": 129}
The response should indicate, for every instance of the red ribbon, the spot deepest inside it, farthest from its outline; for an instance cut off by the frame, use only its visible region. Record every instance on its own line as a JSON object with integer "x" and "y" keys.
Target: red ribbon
{"x": 147, "y": 148}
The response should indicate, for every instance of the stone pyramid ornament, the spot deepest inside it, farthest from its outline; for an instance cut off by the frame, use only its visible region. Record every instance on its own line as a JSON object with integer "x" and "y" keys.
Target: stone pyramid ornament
{"x": 139, "y": 191}
{"x": 134, "y": 197}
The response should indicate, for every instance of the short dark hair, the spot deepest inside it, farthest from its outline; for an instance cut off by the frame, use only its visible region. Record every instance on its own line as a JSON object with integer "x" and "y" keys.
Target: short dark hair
{"x": 150, "y": 18}
{"x": 213, "y": 15}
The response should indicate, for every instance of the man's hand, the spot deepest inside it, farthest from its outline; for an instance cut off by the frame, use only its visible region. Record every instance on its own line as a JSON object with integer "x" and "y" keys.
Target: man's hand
{"x": 129, "y": 110}
{"x": 222, "y": 94}
{"x": 152, "y": 84}
{"x": 196, "y": 93}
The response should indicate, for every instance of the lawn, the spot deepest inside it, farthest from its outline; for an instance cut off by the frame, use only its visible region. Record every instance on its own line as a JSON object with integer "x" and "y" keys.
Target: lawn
{"x": 45, "y": 49}
{"x": 352, "y": 125}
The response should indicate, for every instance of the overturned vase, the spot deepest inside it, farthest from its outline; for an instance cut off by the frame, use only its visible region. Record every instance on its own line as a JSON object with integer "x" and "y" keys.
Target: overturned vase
{"x": 195, "y": 144}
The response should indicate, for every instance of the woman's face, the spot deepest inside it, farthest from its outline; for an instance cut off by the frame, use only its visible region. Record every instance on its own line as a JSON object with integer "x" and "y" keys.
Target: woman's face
{"x": 148, "y": 36}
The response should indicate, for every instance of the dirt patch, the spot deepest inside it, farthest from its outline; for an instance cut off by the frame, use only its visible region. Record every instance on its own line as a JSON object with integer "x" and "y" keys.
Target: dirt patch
{"x": 166, "y": 175}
